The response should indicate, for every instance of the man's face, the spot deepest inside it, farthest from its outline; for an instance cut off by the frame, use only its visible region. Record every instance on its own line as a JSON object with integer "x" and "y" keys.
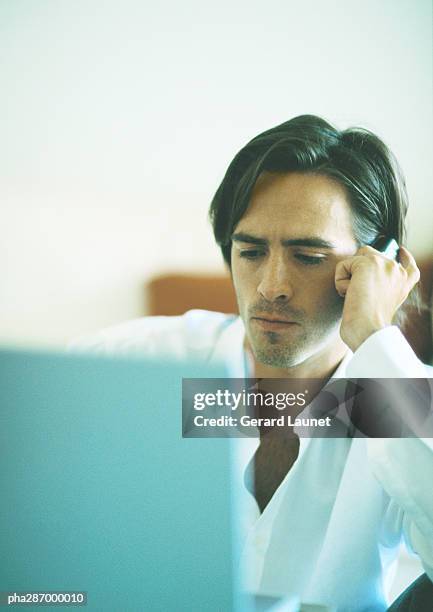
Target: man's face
{"x": 284, "y": 253}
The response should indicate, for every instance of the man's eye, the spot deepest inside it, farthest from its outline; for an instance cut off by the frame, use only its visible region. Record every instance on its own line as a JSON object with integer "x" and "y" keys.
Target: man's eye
{"x": 310, "y": 260}
{"x": 251, "y": 254}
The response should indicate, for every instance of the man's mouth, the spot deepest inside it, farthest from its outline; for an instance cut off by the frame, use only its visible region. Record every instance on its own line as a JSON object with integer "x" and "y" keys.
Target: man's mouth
{"x": 272, "y": 323}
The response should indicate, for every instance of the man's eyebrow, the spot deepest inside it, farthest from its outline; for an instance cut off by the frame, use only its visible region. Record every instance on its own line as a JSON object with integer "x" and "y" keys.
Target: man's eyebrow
{"x": 307, "y": 241}
{"x": 241, "y": 237}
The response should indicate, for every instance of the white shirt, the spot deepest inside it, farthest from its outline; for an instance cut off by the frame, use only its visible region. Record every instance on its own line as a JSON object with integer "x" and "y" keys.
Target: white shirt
{"x": 332, "y": 529}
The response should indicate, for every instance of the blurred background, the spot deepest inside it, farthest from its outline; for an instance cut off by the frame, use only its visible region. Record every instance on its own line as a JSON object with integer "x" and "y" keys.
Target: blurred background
{"x": 118, "y": 120}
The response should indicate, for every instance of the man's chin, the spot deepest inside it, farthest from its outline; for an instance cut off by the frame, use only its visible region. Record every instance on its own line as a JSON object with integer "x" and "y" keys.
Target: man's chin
{"x": 278, "y": 356}
{"x": 282, "y": 361}
{"x": 285, "y": 339}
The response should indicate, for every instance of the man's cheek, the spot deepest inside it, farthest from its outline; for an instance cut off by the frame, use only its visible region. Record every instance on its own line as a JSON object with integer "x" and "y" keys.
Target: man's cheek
{"x": 334, "y": 303}
{"x": 327, "y": 287}
{"x": 241, "y": 302}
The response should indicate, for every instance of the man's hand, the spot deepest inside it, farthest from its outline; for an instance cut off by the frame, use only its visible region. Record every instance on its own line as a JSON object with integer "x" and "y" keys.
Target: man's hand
{"x": 374, "y": 287}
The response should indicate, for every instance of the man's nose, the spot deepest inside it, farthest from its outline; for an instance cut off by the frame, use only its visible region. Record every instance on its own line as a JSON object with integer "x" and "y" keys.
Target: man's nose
{"x": 276, "y": 282}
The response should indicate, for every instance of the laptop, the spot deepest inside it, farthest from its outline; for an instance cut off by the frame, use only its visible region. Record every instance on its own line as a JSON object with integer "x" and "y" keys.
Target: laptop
{"x": 101, "y": 495}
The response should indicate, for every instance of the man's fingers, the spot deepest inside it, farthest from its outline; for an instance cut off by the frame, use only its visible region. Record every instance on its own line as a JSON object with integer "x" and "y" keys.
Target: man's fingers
{"x": 407, "y": 265}
{"x": 343, "y": 275}
{"x": 343, "y": 269}
{"x": 406, "y": 258}
{"x": 407, "y": 261}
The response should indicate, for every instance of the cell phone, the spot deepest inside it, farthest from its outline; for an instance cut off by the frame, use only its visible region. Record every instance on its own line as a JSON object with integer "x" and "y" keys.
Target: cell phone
{"x": 387, "y": 246}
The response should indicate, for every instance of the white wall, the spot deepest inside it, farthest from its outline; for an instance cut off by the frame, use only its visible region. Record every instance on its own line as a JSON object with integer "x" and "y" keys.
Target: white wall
{"x": 117, "y": 120}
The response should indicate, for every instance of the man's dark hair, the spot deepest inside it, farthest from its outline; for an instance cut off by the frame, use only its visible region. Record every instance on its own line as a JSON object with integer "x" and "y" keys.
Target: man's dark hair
{"x": 356, "y": 158}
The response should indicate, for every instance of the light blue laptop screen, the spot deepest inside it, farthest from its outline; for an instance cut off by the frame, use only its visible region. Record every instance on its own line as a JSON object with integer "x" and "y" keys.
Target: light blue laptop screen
{"x": 100, "y": 492}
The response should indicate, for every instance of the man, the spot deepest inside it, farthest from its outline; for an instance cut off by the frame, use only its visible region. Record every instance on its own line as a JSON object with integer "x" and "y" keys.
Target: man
{"x": 296, "y": 217}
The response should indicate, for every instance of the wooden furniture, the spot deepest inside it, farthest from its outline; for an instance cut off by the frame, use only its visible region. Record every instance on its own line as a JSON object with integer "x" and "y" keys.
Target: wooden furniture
{"x": 174, "y": 294}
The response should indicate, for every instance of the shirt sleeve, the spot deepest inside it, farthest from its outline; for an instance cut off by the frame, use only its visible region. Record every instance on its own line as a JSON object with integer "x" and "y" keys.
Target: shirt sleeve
{"x": 386, "y": 354}
{"x": 193, "y": 335}
{"x": 137, "y": 334}
{"x": 404, "y": 467}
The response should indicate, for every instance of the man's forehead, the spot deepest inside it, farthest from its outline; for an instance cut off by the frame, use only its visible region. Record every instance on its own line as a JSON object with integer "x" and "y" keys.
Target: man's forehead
{"x": 294, "y": 205}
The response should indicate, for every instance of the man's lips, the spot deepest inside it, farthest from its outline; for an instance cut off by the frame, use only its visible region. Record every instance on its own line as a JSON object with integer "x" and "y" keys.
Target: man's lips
{"x": 269, "y": 322}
